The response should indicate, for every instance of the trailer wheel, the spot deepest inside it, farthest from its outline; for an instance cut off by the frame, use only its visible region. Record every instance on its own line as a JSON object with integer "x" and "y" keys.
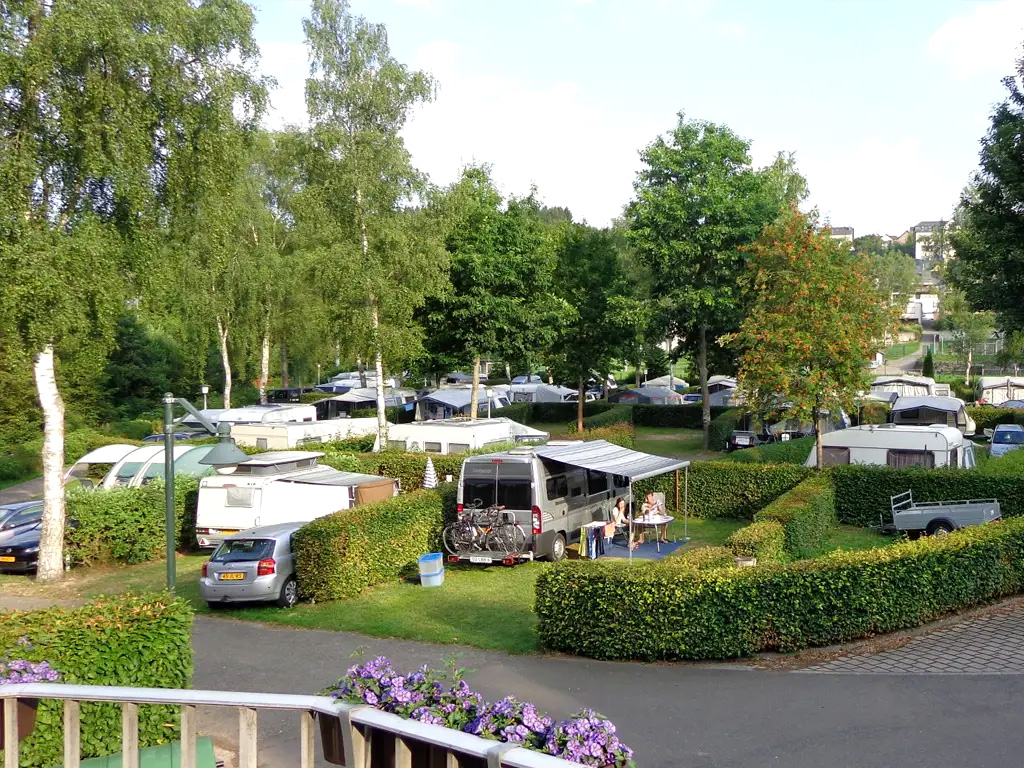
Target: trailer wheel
{"x": 557, "y": 549}
{"x": 940, "y": 528}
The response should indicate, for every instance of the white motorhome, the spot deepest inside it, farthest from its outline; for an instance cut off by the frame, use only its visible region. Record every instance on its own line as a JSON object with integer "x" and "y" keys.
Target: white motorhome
{"x": 460, "y": 435}
{"x": 281, "y": 437}
{"x": 279, "y": 487}
{"x": 926, "y": 411}
{"x": 895, "y": 445}
{"x": 904, "y": 386}
{"x": 995, "y": 390}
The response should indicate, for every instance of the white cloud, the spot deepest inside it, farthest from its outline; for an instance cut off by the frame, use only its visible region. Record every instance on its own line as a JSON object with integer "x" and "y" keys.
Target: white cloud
{"x": 985, "y": 41}
{"x": 580, "y": 155}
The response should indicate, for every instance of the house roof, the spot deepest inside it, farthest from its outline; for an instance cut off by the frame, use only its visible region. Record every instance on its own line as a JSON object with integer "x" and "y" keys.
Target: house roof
{"x": 602, "y": 456}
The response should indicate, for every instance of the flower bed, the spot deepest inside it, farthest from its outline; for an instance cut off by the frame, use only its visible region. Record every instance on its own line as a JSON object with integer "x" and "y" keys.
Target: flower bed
{"x": 431, "y": 697}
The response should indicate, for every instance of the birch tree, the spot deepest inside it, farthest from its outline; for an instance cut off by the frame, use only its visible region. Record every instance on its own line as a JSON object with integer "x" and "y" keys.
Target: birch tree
{"x": 100, "y": 98}
{"x": 359, "y": 97}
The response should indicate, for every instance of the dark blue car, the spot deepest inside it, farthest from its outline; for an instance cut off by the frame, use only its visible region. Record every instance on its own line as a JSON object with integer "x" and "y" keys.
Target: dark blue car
{"x": 20, "y": 526}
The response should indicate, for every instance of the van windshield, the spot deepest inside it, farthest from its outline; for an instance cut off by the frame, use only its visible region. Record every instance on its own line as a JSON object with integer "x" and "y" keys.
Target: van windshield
{"x": 511, "y": 493}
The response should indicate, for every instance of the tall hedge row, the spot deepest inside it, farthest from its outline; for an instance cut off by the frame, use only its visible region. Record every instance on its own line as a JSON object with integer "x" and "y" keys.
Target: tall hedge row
{"x": 681, "y": 416}
{"x": 128, "y": 640}
{"x": 987, "y": 417}
{"x": 727, "y": 489}
{"x": 863, "y": 493}
{"x": 807, "y": 514}
{"x": 340, "y": 555}
{"x": 722, "y": 427}
{"x": 614, "y": 611}
{"x": 126, "y": 525}
{"x": 782, "y": 452}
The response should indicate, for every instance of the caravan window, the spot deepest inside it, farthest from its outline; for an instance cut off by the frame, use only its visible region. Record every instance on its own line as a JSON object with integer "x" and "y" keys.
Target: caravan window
{"x": 832, "y": 455}
{"x": 432, "y": 447}
{"x": 911, "y": 414}
{"x": 458, "y": 447}
{"x": 953, "y": 456}
{"x": 238, "y": 497}
{"x": 898, "y": 458}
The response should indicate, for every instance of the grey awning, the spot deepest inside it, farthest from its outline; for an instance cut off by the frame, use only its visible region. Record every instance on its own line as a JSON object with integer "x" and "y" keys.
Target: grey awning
{"x": 329, "y": 476}
{"x": 602, "y": 456}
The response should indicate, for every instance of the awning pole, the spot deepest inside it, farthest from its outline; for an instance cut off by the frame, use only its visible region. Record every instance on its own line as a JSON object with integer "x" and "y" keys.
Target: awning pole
{"x": 629, "y": 544}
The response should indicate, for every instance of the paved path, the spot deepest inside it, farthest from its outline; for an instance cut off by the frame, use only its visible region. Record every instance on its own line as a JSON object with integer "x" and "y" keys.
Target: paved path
{"x": 693, "y": 716}
{"x": 31, "y": 489}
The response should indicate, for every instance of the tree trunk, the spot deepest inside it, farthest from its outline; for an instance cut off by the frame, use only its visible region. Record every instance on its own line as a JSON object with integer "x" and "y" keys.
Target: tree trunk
{"x": 638, "y": 373}
{"x": 378, "y": 365}
{"x": 474, "y": 396}
{"x": 362, "y": 372}
{"x": 705, "y": 396}
{"x": 225, "y": 360}
{"x": 51, "y": 541}
{"x": 970, "y": 361}
{"x": 580, "y": 397}
{"x": 508, "y": 372}
{"x": 265, "y": 361}
{"x": 284, "y": 365}
{"x": 819, "y": 443}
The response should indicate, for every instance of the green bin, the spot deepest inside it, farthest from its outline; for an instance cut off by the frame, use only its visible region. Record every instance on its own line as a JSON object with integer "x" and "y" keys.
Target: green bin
{"x": 161, "y": 756}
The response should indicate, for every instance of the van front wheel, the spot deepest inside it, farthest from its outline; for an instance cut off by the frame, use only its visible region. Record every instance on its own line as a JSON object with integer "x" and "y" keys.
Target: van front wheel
{"x": 557, "y": 548}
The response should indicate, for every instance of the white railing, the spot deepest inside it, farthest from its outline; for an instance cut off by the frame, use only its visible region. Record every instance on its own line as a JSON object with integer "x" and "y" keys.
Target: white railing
{"x": 354, "y": 736}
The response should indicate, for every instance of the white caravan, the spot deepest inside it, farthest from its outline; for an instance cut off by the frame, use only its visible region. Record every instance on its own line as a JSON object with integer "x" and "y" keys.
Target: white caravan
{"x": 459, "y": 435}
{"x": 279, "y": 487}
{"x": 134, "y": 466}
{"x": 904, "y": 386}
{"x": 104, "y": 456}
{"x": 271, "y": 413}
{"x": 926, "y": 411}
{"x": 895, "y": 445}
{"x": 281, "y": 437}
{"x": 996, "y": 390}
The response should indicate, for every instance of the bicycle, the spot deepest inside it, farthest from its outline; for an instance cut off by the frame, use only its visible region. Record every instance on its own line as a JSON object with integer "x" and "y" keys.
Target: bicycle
{"x": 484, "y": 530}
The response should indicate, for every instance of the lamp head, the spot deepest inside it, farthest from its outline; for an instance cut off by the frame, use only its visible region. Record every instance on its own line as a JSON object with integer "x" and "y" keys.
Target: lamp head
{"x": 225, "y": 453}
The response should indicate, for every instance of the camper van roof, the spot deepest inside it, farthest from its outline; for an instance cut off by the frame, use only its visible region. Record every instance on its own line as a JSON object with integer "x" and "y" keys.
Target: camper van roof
{"x": 994, "y": 382}
{"x": 256, "y": 412}
{"x": 280, "y": 457}
{"x": 934, "y": 402}
{"x": 457, "y": 423}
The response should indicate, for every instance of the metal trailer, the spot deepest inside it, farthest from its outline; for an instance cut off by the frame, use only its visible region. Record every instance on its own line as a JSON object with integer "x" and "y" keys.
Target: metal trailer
{"x": 939, "y": 517}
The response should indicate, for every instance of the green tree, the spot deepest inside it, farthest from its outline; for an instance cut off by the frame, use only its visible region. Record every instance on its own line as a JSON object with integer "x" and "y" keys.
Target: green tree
{"x": 1012, "y": 353}
{"x": 104, "y": 104}
{"x": 698, "y": 202}
{"x": 969, "y": 328}
{"x": 815, "y": 317}
{"x": 142, "y": 366}
{"x": 361, "y": 182}
{"x": 928, "y": 366}
{"x": 895, "y": 274}
{"x": 870, "y": 245}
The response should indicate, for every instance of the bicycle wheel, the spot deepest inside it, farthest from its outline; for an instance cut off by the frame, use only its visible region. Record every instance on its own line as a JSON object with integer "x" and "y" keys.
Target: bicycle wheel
{"x": 450, "y": 537}
{"x": 513, "y": 539}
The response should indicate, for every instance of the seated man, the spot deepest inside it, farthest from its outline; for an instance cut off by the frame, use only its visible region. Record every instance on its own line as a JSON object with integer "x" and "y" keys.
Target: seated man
{"x": 654, "y": 508}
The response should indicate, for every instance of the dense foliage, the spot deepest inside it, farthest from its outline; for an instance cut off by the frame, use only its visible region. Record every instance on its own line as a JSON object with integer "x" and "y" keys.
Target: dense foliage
{"x": 764, "y": 539}
{"x": 807, "y": 514}
{"x": 618, "y": 611}
{"x": 782, "y": 452}
{"x": 130, "y": 640}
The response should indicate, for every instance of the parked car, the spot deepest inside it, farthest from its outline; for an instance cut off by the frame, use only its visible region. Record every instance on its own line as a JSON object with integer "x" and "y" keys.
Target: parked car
{"x": 180, "y": 436}
{"x": 256, "y": 565}
{"x": 742, "y": 439}
{"x": 532, "y": 378}
{"x": 19, "y": 517}
{"x": 692, "y": 398}
{"x": 1006, "y": 438}
{"x": 20, "y": 552}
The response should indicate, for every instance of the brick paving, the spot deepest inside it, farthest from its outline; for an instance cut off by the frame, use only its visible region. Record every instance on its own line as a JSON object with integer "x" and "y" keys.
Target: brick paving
{"x": 986, "y": 645}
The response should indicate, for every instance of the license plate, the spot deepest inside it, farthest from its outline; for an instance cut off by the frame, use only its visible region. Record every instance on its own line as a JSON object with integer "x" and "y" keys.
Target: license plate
{"x": 232, "y": 576}
{"x": 6, "y": 559}
{"x": 231, "y": 532}
{"x": 742, "y": 441}
{"x": 478, "y": 559}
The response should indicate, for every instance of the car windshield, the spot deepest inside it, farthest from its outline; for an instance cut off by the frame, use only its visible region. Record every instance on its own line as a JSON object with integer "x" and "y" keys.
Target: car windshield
{"x": 1008, "y": 437}
{"x": 21, "y": 517}
{"x": 243, "y": 550}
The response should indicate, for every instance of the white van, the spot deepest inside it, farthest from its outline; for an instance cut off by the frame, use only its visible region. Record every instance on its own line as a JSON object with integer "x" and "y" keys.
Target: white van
{"x": 896, "y": 445}
{"x": 279, "y": 487}
{"x": 459, "y": 435}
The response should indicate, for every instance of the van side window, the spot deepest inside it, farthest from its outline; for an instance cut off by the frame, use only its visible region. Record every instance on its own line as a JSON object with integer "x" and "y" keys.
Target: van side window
{"x": 577, "y": 479}
{"x": 898, "y": 458}
{"x": 432, "y": 447}
{"x": 597, "y": 482}
{"x": 558, "y": 487}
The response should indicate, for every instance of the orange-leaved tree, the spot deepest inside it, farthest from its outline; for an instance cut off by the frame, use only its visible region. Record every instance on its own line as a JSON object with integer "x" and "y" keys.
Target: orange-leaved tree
{"x": 817, "y": 315}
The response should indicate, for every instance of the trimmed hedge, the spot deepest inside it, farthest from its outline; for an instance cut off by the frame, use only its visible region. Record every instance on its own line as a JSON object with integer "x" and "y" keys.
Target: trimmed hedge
{"x": 126, "y": 525}
{"x": 408, "y": 468}
{"x": 682, "y": 416}
{"x": 340, "y": 555}
{"x": 728, "y": 489}
{"x": 700, "y": 558}
{"x": 807, "y": 513}
{"x": 988, "y": 417}
{"x": 722, "y": 427}
{"x": 863, "y": 493}
{"x": 127, "y": 640}
{"x": 619, "y": 414}
{"x": 620, "y": 434}
{"x": 782, "y": 452}
{"x": 614, "y": 611}
{"x": 392, "y": 413}
{"x": 765, "y": 540}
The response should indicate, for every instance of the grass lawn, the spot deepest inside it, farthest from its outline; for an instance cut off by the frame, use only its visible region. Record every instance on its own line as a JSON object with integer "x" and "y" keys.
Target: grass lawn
{"x": 554, "y": 428}
{"x": 674, "y": 442}
{"x": 853, "y": 539}
{"x": 705, "y": 533}
{"x": 902, "y": 349}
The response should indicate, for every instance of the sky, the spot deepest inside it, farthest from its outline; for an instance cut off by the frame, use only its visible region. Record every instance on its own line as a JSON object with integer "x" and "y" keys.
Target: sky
{"x": 883, "y": 102}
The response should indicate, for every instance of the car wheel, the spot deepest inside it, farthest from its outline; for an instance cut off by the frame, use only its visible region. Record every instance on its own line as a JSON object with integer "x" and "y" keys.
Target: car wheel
{"x": 940, "y": 528}
{"x": 557, "y": 549}
{"x": 289, "y": 593}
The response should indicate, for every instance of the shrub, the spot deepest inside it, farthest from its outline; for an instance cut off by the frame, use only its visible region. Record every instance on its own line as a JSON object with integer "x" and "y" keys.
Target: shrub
{"x": 408, "y": 468}
{"x": 987, "y": 417}
{"x": 128, "y": 640}
{"x": 863, "y": 493}
{"x": 682, "y": 416}
{"x": 313, "y": 397}
{"x": 722, "y": 427}
{"x": 700, "y": 558}
{"x": 137, "y": 429}
{"x": 928, "y": 366}
{"x": 764, "y": 540}
{"x": 664, "y": 613}
{"x": 362, "y": 444}
{"x": 126, "y": 525}
{"x": 620, "y": 434}
{"x": 392, "y": 413}
{"x": 340, "y": 555}
{"x": 24, "y": 459}
{"x": 619, "y": 414}
{"x": 728, "y": 489}
{"x": 782, "y": 452}
{"x": 808, "y": 514}
{"x": 518, "y": 412}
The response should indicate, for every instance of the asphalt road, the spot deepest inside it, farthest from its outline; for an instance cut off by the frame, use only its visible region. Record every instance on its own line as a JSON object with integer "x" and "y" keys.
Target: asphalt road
{"x": 690, "y": 716}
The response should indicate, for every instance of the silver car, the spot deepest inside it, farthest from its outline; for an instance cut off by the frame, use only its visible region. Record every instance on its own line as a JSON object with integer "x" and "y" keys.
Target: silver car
{"x": 255, "y": 565}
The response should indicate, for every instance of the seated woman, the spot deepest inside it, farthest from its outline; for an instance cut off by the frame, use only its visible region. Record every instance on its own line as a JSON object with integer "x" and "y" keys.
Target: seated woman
{"x": 621, "y": 519}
